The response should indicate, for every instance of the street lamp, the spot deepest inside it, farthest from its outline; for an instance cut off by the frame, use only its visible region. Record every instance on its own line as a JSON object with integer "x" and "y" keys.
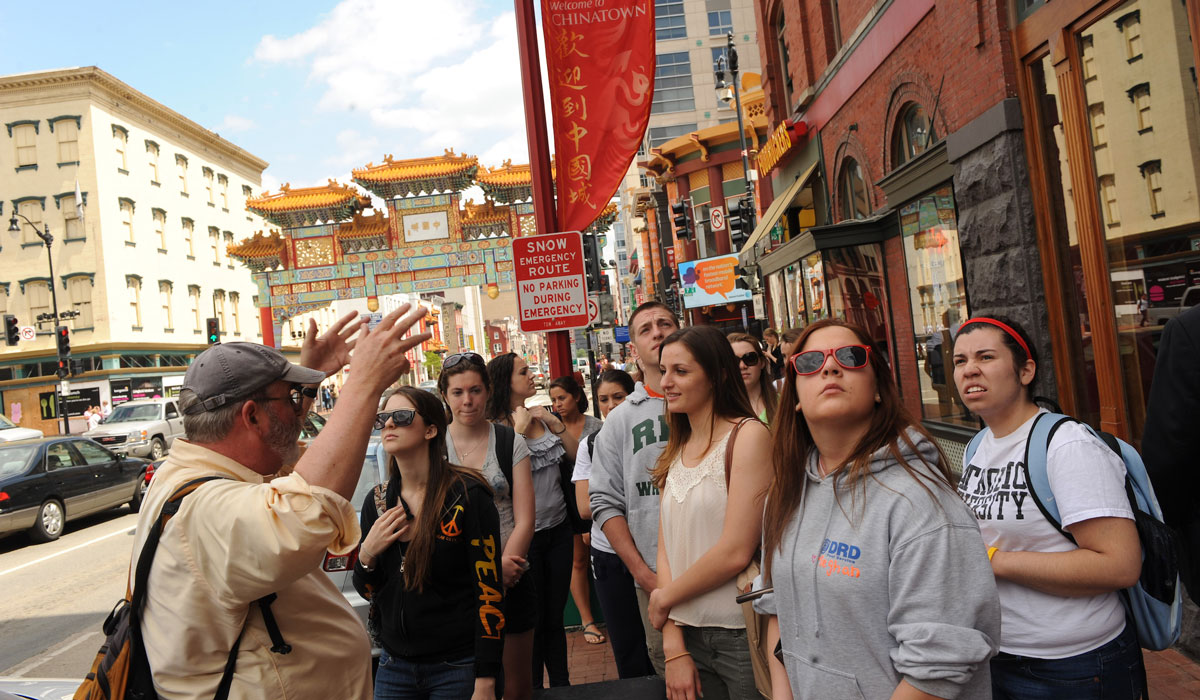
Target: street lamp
{"x": 14, "y": 226}
{"x": 730, "y": 60}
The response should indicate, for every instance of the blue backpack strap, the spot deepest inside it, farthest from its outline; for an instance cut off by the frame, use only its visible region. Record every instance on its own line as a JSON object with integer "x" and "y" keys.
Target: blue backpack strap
{"x": 1037, "y": 448}
{"x": 972, "y": 448}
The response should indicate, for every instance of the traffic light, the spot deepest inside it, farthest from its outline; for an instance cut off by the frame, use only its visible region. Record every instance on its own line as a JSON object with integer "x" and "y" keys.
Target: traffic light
{"x": 12, "y": 333}
{"x": 76, "y": 367}
{"x": 213, "y": 327}
{"x": 63, "y": 335}
{"x": 591, "y": 263}
{"x": 741, "y": 223}
{"x": 682, "y": 219}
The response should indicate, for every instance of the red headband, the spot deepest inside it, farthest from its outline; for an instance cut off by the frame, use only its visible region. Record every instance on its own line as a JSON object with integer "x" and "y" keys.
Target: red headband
{"x": 1002, "y": 326}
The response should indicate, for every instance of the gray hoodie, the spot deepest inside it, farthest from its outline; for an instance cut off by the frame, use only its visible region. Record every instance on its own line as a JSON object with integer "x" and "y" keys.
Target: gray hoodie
{"x": 633, "y": 436}
{"x": 900, "y": 589}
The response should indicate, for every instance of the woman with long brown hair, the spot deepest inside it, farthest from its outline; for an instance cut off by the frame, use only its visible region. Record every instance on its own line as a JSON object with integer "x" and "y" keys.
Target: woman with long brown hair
{"x": 429, "y": 561}
{"x": 754, "y": 365}
{"x": 881, "y": 585}
{"x": 712, "y": 477}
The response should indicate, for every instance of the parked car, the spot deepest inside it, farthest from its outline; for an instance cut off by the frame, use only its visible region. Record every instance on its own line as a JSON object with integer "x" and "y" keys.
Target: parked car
{"x": 429, "y": 385}
{"x": 1159, "y": 315}
{"x": 46, "y": 483}
{"x": 539, "y": 378}
{"x": 143, "y": 428}
{"x": 10, "y": 431}
{"x": 38, "y": 688}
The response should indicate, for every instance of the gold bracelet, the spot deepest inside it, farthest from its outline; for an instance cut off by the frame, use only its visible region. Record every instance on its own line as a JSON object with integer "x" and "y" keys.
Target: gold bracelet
{"x": 677, "y": 656}
{"x": 992, "y": 552}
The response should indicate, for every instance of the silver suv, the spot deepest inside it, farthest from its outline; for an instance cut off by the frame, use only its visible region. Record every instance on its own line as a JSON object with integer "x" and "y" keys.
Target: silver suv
{"x": 144, "y": 428}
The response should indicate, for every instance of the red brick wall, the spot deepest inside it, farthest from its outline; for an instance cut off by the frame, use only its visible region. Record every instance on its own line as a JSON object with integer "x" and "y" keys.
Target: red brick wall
{"x": 904, "y": 355}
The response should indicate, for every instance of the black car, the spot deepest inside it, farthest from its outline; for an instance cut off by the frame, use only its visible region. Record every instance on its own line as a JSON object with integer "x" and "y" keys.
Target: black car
{"x": 45, "y": 483}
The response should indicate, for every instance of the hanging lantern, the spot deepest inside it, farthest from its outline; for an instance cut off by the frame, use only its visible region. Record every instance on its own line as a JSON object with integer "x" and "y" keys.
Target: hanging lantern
{"x": 493, "y": 290}
{"x": 372, "y": 304}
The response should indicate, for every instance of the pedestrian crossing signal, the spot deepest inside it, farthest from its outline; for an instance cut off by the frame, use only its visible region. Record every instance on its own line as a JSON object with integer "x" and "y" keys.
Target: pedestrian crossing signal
{"x": 214, "y": 330}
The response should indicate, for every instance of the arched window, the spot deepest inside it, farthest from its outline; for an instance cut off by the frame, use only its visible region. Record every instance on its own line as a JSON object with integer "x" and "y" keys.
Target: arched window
{"x": 853, "y": 191}
{"x": 913, "y": 134}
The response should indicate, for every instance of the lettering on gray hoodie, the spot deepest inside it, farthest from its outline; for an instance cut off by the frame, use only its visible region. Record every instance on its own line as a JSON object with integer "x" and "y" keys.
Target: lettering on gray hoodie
{"x": 633, "y": 436}
{"x": 898, "y": 589}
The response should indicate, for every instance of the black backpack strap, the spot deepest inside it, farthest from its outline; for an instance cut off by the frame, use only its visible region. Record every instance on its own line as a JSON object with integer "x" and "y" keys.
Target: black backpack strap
{"x": 278, "y": 646}
{"x": 591, "y": 443}
{"x": 505, "y": 437}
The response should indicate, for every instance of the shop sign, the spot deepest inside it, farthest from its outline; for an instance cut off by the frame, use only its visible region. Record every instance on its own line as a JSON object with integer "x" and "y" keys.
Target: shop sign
{"x": 781, "y": 143}
{"x": 123, "y": 390}
{"x": 711, "y": 281}
{"x": 76, "y": 401}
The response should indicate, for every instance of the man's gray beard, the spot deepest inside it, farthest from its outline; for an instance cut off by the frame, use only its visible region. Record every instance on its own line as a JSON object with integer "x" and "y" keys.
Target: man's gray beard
{"x": 282, "y": 439}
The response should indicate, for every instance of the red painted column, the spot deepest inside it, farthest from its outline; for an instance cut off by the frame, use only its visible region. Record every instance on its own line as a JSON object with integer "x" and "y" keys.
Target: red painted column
{"x": 716, "y": 198}
{"x": 266, "y": 322}
{"x": 558, "y": 343}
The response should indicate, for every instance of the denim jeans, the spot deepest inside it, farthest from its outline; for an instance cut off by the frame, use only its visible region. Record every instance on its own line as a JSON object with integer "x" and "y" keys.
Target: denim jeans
{"x": 551, "y": 554}
{"x": 722, "y": 658}
{"x": 618, "y": 602}
{"x": 1112, "y": 671}
{"x": 399, "y": 679}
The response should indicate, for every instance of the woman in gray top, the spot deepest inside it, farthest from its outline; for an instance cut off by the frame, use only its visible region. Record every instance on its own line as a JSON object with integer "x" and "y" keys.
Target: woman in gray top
{"x": 550, "y": 550}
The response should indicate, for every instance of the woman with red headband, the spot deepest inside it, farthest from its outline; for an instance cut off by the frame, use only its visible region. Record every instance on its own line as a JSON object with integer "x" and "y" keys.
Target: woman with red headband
{"x": 1063, "y": 627}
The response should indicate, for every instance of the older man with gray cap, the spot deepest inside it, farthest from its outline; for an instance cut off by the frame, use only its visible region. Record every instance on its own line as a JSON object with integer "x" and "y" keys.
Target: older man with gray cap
{"x": 245, "y": 535}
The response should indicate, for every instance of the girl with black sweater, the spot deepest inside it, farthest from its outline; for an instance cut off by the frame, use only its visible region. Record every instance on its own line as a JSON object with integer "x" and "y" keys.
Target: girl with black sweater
{"x": 430, "y": 562}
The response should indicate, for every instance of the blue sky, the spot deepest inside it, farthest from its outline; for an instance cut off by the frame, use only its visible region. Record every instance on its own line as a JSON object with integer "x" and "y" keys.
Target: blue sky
{"x": 313, "y": 87}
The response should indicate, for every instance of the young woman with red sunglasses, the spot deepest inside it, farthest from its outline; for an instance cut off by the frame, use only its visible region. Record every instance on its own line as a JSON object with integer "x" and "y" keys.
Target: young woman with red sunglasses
{"x": 1065, "y": 633}
{"x": 881, "y": 588}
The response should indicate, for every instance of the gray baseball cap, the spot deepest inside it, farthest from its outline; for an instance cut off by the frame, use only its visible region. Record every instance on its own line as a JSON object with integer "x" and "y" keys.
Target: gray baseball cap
{"x": 230, "y": 372}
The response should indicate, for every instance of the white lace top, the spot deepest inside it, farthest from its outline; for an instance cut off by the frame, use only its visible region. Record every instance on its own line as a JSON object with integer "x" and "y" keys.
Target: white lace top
{"x": 693, "y": 515}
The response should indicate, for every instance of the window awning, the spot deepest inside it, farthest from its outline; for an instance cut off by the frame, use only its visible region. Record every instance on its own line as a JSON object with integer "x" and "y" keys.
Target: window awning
{"x": 775, "y": 212}
{"x": 840, "y": 235}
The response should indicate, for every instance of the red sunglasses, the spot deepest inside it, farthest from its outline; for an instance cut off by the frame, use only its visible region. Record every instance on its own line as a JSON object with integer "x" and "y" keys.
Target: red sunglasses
{"x": 848, "y": 356}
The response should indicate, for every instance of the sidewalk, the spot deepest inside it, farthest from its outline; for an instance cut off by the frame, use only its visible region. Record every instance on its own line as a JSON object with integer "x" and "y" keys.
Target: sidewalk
{"x": 1172, "y": 675}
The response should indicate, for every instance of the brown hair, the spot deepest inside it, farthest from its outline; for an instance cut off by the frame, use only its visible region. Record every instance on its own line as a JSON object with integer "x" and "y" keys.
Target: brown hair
{"x": 443, "y": 477}
{"x": 792, "y": 443}
{"x": 730, "y": 402}
{"x": 766, "y": 384}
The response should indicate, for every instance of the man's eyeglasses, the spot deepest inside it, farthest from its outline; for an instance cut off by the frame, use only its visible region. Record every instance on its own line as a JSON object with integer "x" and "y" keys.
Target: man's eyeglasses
{"x": 295, "y": 395}
{"x": 848, "y": 356}
{"x": 401, "y": 417}
{"x": 472, "y": 357}
{"x": 749, "y": 359}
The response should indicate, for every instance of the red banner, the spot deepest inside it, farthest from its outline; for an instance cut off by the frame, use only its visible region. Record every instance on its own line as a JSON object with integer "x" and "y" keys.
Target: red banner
{"x": 600, "y": 58}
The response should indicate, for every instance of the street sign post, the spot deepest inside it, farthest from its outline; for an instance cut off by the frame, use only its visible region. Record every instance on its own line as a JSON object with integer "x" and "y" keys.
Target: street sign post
{"x": 551, "y": 290}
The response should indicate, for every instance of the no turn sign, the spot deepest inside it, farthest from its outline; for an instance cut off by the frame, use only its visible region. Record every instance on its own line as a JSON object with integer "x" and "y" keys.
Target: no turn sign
{"x": 717, "y": 218}
{"x": 28, "y": 333}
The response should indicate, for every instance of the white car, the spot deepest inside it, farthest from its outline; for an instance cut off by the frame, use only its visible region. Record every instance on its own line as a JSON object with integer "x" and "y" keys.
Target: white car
{"x": 10, "y": 431}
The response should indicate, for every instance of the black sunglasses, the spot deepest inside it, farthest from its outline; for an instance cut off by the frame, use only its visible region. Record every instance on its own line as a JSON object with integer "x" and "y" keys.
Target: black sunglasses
{"x": 848, "y": 356}
{"x": 472, "y": 357}
{"x": 749, "y": 359}
{"x": 401, "y": 417}
{"x": 295, "y": 396}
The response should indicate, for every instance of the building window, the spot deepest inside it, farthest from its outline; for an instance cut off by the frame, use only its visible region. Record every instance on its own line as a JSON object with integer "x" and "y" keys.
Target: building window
{"x": 853, "y": 191}
{"x": 228, "y": 237}
{"x": 31, "y": 210}
{"x": 181, "y": 164}
{"x": 194, "y": 299}
{"x": 214, "y": 239}
{"x": 208, "y": 186}
{"x": 219, "y": 307}
{"x": 785, "y": 58}
{"x": 1088, "y": 51}
{"x": 1108, "y": 195}
{"x": 25, "y": 139}
{"x": 1140, "y": 96}
{"x": 661, "y": 134}
{"x": 79, "y": 289}
{"x": 929, "y": 229}
{"x": 37, "y": 293}
{"x": 164, "y": 293}
{"x": 134, "y": 285}
{"x": 234, "y": 298}
{"x": 912, "y": 135}
{"x": 835, "y": 25}
{"x": 189, "y": 238}
{"x": 669, "y": 21}
{"x": 68, "y": 141}
{"x": 1131, "y": 31}
{"x": 1099, "y": 126}
{"x": 223, "y": 181}
{"x": 673, "y": 84}
{"x": 127, "y": 219}
{"x": 152, "y": 158}
{"x": 121, "y": 144}
{"x": 160, "y": 228}
{"x": 1152, "y": 171}
{"x": 72, "y": 226}
{"x": 720, "y": 22}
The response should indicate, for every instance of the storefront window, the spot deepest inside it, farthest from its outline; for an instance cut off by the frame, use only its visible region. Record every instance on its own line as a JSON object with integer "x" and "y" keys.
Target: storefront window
{"x": 856, "y": 290}
{"x": 779, "y": 310}
{"x": 795, "y": 300}
{"x": 1151, "y": 175}
{"x": 814, "y": 287}
{"x": 938, "y": 296}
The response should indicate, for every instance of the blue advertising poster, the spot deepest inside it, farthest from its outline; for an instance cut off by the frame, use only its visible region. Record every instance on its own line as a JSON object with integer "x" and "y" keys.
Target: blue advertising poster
{"x": 711, "y": 281}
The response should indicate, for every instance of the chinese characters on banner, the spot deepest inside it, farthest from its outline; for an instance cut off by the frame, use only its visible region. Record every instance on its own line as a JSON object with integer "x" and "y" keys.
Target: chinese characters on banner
{"x": 600, "y": 58}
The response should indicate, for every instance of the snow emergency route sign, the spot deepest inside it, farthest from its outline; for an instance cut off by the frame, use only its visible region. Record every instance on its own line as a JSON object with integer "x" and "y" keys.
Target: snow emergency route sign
{"x": 551, "y": 290}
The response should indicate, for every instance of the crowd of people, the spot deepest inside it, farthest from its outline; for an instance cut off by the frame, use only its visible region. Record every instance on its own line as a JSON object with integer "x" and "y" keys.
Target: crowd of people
{"x": 880, "y": 572}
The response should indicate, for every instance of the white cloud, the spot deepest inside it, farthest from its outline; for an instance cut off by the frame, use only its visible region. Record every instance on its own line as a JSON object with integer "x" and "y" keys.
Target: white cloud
{"x": 234, "y": 123}
{"x": 427, "y": 75}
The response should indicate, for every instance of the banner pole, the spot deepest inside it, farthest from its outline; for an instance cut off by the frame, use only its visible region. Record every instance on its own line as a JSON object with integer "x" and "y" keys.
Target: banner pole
{"x": 558, "y": 343}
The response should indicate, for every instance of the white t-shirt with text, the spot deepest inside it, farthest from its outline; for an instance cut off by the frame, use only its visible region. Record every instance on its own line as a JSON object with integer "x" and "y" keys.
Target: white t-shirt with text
{"x": 1088, "y": 481}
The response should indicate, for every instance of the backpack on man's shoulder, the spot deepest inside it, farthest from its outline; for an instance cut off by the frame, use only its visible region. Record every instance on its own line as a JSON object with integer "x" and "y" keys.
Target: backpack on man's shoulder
{"x": 1155, "y": 602}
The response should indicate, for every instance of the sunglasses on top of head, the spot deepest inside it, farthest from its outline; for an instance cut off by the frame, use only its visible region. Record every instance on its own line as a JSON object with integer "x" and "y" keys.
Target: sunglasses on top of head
{"x": 749, "y": 359}
{"x": 848, "y": 356}
{"x": 401, "y": 417}
{"x": 473, "y": 358}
